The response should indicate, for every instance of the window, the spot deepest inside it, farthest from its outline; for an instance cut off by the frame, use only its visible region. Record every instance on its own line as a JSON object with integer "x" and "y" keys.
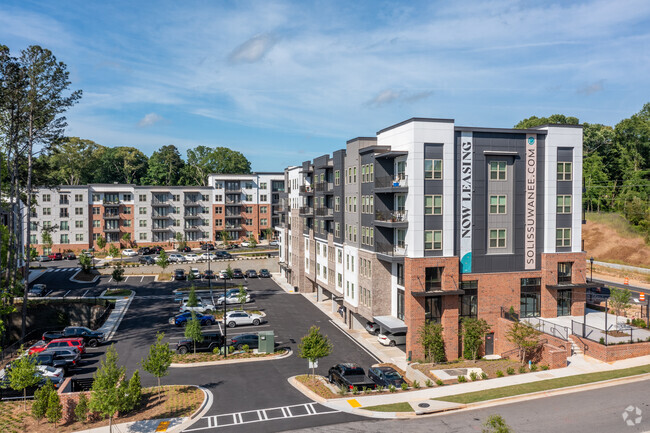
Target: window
{"x": 433, "y": 239}
{"x": 176, "y": 210}
{"x": 143, "y": 223}
{"x": 143, "y": 211}
{"x": 127, "y": 210}
{"x": 355, "y": 177}
{"x": 497, "y": 204}
{"x": 249, "y": 197}
{"x": 127, "y": 197}
{"x": 497, "y": 238}
{"x": 218, "y": 222}
{"x": 63, "y": 212}
{"x": 563, "y": 238}
{"x": 339, "y": 282}
{"x": 337, "y": 177}
{"x": 96, "y": 223}
{"x": 79, "y": 224}
{"x": 218, "y": 197}
{"x": 564, "y": 272}
{"x": 563, "y": 204}
{"x": 433, "y": 205}
{"x": 142, "y": 197}
{"x": 433, "y": 309}
{"x": 33, "y": 239}
{"x": 263, "y": 185}
{"x": 248, "y": 185}
{"x": 433, "y": 279}
{"x": 47, "y": 211}
{"x": 337, "y": 204}
{"x": 78, "y": 197}
{"x": 468, "y": 306}
{"x": 176, "y": 197}
{"x": 64, "y": 225}
{"x": 564, "y": 170}
{"x": 497, "y": 170}
{"x": 96, "y": 197}
{"x": 79, "y": 237}
{"x": 433, "y": 169}
{"x": 249, "y": 222}
{"x": 46, "y": 198}
{"x": 371, "y": 172}
{"x": 205, "y": 197}
{"x": 126, "y": 223}
{"x": 78, "y": 211}
{"x": 96, "y": 236}
{"x": 263, "y": 221}
{"x": 400, "y": 274}
{"x": 400, "y": 304}
{"x": 337, "y": 229}
{"x": 65, "y": 239}
{"x": 264, "y": 197}
{"x": 96, "y": 210}
{"x": 47, "y": 225}
{"x": 143, "y": 236}
{"x": 530, "y": 297}
{"x": 263, "y": 209}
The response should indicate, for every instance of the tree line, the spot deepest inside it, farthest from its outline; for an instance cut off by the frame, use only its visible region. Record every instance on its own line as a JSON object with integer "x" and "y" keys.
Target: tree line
{"x": 616, "y": 165}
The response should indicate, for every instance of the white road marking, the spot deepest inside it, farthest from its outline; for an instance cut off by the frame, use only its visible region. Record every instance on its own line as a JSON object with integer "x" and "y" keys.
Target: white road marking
{"x": 48, "y": 293}
{"x": 142, "y": 278}
{"x": 110, "y": 279}
{"x": 66, "y": 293}
{"x": 355, "y": 341}
{"x": 85, "y": 293}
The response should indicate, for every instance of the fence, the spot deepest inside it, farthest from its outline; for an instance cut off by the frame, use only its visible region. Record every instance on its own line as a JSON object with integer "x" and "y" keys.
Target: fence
{"x": 622, "y": 334}
{"x": 36, "y": 334}
{"x": 550, "y": 328}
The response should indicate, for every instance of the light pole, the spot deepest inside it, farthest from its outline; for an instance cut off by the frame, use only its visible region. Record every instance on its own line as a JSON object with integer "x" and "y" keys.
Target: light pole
{"x": 225, "y": 327}
{"x": 210, "y": 277}
{"x": 591, "y": 260}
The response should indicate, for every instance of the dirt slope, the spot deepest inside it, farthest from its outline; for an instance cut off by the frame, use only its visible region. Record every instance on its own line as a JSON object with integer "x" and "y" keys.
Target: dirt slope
{"x": 608, "y": 239}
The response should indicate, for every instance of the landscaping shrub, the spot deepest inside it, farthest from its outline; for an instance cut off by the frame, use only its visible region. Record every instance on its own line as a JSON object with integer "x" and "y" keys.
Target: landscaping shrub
{"x": 392, "y": 388}
{"x": 474, "y": 376}
{"x": 462, "y": 379}
{"x": 522, "y": 369}
{"x": 416, "y": 384}
{"x": 405, "y": 386}
{"x": 533, "y": 367}
{"x": 545, "y": 367}
{"x": 439, "y": 382}
{"x": 510, "y": 370}
{"x": 602, "y": 340}
{"x": 81, "y": 409}
{"x": 484, "y": 375}
{"x": 499, "y": 373}
{"x": 342, "y": 390}
{"x": 245, "y": 348}
{"x": 355, "y": 390}
{"x": 366, "y": 390}
{"x": 428, "y": 383}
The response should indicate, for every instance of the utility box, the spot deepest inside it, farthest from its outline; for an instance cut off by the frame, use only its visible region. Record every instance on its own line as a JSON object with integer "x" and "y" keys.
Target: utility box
{"x": 266, "y": 342}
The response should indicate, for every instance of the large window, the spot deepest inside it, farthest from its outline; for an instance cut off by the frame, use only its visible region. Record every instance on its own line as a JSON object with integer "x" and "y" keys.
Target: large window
{"x": 563, "y": 204}
{"x": 564, "y": 272}
{"x": 564, "y": 170}
{"x": 433, "y": 279}
{"x": 469, "y": 300}
{"x": 400, "y": 274}
{"x": 433, "y": 309}
{"x": 433, "y": 239}
{"x": 433, "y": 205}
{"x": 497, "y": 204}
{"x": 497, "y": 238}
{"x": 400, "y": 304}
{"x": 433, "y": 169}
{"x": 563, "y": 238}
{"x": 530, "y": 297}
{"x": 497, "y": 170}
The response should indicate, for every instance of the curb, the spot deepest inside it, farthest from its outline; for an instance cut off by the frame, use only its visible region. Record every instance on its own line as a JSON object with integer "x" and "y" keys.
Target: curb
{"x": 74, "y": 280}
{"x": 102, "y": 295}
{"x": 232, "y": 361}
{"x": 111, "y": 333}
{"x": 205, "y": 406}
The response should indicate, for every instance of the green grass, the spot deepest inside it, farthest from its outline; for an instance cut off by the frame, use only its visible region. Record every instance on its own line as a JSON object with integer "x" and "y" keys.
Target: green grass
{"x": 392, "y": 407}
{"x": 615, "y": 221}
{"x": 118, "y": 292}
{"x": 544, "y": 385}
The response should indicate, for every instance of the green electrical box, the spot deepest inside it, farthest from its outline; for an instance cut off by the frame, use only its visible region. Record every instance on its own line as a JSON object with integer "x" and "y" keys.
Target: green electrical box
{"x": 266, "y": 342}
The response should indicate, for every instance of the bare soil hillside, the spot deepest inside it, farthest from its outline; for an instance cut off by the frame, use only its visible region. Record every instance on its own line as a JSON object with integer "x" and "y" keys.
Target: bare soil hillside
{"x": 609, "y": 238}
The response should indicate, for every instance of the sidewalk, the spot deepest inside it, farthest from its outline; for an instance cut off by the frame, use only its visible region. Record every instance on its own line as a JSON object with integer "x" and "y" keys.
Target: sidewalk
{"x": 115, "y": 318}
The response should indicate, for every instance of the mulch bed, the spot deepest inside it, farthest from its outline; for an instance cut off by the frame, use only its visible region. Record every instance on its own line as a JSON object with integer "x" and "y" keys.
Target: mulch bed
{"x": 191, "y": 358}
{"x": 90, "y": 276}
{"x": 489, "y": 367}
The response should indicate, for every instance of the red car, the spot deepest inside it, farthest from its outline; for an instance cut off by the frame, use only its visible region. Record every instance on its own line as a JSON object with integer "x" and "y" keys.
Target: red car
{"x": 60, "y": 342}
{"x": 55, "y": 256}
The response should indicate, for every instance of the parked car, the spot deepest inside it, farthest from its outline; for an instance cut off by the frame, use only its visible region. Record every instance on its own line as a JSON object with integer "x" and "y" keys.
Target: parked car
{"x": 37, "y": 290}
{"x": 245, "y": 244}
{"x": 208, "y": 256}
{"x": 223, "y": 255}
{"x": 195, "y": 273}
{"x": 392, "y": 339}
{"x": 372, "y": 328}
{"x": 52, "y": 360}
{"x": 237, "y": 273}
{"x": 192, "y": 258}
{"x": 252, "y": 340}
{"x": 274, "y": 244}
{"x": 211, "y": 341}
{"x": 145, "y": 251}
{"x": 232, "y": 297}
{"x": 53, "y": 373}
{"x": 7, "y": 393}
{"x": 385, "y": 376}
{"x": 207, "y": 247}
{"x": 184, "y": 299}
{"x": 147, "y": 260}
{"x": 251, "y": 273}
{"x": 42, "y": 346}
{"x": 129, "y": 252}
{"x": 176, "y": 258}
{"x": 90, "y": 338}
{"x": 156, "y": 250}
{"x": 238, "y": 318}
{"x": 179, "y": 274}
{"x": 69, "y": 256}
{"x": 43, "y": 258}
{"x": 223, "y": 274}
{"x": 55, "y": 256}
{"x": 208, "y": 274}
{"x": 264, "y": 273}
{"x": 200, "y": 307}
{"x": 349, "y": 376}
{"x": 70, "y": 354}
{"x": 183, "y": 318}
{"x": 184, "y": 249}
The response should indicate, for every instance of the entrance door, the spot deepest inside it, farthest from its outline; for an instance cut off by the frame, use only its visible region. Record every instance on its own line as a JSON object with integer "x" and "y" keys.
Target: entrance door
{"x": 564, "y": 302}
{"x": 489, "y": 343}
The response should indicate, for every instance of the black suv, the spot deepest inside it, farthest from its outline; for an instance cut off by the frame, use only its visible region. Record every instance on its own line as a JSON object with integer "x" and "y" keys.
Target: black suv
{"x": 91, "y": 338}
{"x": 223, "y": 255}
{"x": 210, "y": 342}
{"x": 185, "y": 249}
{"x": 264, "y": 273}
{"x": 237, "y": 273}
{"x": 179, "y": 274}
{"x": 147, "y": 260}
{"x": 251, "y": 340}
{"x": 144, "y": 251}
{"x": 207, "y": 247}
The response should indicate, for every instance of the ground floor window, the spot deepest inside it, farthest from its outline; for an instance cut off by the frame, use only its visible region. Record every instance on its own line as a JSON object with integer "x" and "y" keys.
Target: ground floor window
{"x": 530, "y": 298}
{"x": 468, "y": 306}
{"x": 564, "y": 302}
{"x": 400, "y": 304}
{"x": 433, "y": 309}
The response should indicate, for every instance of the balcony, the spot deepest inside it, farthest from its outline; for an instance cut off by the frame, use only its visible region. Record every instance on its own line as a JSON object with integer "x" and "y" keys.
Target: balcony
{"x": 391, "y": 218}
{"x": 233, "y": 227}
{"x": 189, "y": 215}
{"x": 391, "y": 184}
{"x": 306, "y": 189}
{"x": 111, "y": 229}
{"x": 324, "y": 212}
{"x": 161, "y": 215}
{"x": 279, "y": 209}
{"x": 194, "y": 228}
{"x": 306, "y": 210}
{"x": 157, "y": 202}
{"x": 161, "y": 228}
{"x": 323, "y": 187}
{"x": 235, "y": 216}
{"x": 391, "y": 253}
{"x": 111, "y": 216}
{"x": 111, "y": 203}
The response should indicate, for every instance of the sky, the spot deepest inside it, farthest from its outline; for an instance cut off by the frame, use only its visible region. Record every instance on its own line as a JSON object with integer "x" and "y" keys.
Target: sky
{"x": 283, "y": 81}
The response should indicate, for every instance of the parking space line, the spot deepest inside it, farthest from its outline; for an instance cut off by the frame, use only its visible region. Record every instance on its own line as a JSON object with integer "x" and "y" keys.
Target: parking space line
{"x": 142, "y": 278}
{"x": 85, "y": 293}
{"x": 110, "y": 279}
{"x": 66, "y": 293}
{"x": 49, "y": 292}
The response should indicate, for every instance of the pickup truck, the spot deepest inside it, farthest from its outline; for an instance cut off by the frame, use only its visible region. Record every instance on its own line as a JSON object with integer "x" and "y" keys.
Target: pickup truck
{"x": 349, "y": 376}
{"x": 211, "y": 341}
{"x": 91, "y": 338}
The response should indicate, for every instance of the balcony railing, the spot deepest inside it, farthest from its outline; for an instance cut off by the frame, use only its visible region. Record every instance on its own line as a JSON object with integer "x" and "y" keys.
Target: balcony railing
{"x": 391, "y": 216}
{"x": 158, "y": 202}
{"x": 306, "y": 210}
{"x": 161, "y": 228}
{"x": 233, "y": 227}
{"x": 398, "y": 181}
{"x": 191, "y": 202}
{"x": 389, "y": 249}
{"x": 323, "y": 186}
{"x": 111, "y": 229}
{"x": 111, "y": 202}
{"x": 306, "y": 189}
{"x": 161, "y": 215}
{"x": 110, "y": 215}
{"x": 324, "y": 211}
{"x": 192, "y": 215}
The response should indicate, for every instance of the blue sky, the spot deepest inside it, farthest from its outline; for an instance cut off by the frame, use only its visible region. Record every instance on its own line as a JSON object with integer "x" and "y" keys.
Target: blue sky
{"x": 286, "y": 81}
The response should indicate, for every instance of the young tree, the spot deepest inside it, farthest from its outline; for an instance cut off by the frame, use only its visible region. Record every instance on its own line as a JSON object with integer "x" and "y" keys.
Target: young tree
{"x": 496, "y": 424}
{"x": 118, "y": 274}
{"x": 47, "y": 239}
{"x": 106, "y": 396}
{"x": 229, "y": 272}
{"x": 134, "y": 391}
{"x": 85, "y": 262}
{"x": 193, "y": 331}
{"x": 54, "y": 408}
{"x": 252, "y": 241}
{"x": 180, "y": 239}
{"x": 314, "y": 346}
{"x": 192, "y": 300}
{"x": 159, "y": 359}
{"x": 474, "y": 331}
{"x": 241, "y": 296}
{"x": 525, "y": 337}
{"x": 162, "y": 260}
{"x": 268, "y": 233}
{"x": 41, "y": 399}
{"x": 619, "y": 300}
{"x": 81, "y": 409}
{"x": 23, "y": 374}
{"x": 101, "y": 242}
{"x": 430, "y": 337}
{"x": 126, "y": 237}
{"x": 113, "y": 251}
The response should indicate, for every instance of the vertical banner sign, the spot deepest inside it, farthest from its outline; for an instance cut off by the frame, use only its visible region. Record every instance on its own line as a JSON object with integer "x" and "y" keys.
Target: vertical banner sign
{"x": 466, "y": 157}
{"x": 531, "y": 201}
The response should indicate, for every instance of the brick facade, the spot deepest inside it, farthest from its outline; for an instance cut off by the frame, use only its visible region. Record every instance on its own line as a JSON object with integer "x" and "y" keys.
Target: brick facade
{"x": 611, "y": 353}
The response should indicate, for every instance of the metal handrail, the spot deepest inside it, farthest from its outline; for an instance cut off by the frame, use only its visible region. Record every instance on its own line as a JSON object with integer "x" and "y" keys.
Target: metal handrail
{"x": 391, "y": 216}
{"x": 559, "y": 331}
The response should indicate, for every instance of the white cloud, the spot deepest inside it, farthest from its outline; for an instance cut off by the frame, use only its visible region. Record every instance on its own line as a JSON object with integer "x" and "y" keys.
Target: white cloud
{"x": 149, "y": 120}
{"x": 252, "y": 50}
{"x": 390, "y": 96}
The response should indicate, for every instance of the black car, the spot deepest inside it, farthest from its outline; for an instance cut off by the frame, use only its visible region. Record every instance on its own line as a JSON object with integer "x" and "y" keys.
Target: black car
{"x": 156, "y": 250}
{"x": 223, "y": 255}
{"x": 251, "y": 273}
{"x": 210, "y": 341}
{"x": 7, "y": 393}
{"x": 144, "y": 251}
{"x": 91, "y": 338}
{"x": 37, "y": 290}
{"x": 51, "y": 360}
{"x": 207, "y": 247}
{"x": 349, "y": 376}
{"x": 179, "y": 274}
{"x": 208, "y": 274}
{"x": 264, "y": 273}
{"x": 185, "y": 249}
{"x": 252, "y": 340}
{"x": 69, "y": 256}
{"x": 385, "y": 376}
{"x": 237, "y": 273}
{"x": 147, "y": 260}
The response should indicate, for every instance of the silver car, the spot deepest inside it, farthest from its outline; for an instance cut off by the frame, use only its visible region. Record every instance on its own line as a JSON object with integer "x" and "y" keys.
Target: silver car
{"x": 239, "y": 318}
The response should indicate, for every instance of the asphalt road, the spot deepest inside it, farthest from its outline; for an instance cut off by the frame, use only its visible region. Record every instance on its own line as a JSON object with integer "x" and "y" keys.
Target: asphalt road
{"x": 594, "y": 411}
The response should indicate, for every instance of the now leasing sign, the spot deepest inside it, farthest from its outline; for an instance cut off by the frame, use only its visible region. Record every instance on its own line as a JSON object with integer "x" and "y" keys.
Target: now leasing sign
{"x": 466, "y": 157}
{"x": 531, "y": 201}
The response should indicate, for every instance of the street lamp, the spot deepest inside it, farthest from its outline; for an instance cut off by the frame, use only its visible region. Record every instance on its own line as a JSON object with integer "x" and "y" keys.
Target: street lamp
{"x": 210, "y": 277}
{"x": 591, "y": 260}
{"x": 225, "y": 327}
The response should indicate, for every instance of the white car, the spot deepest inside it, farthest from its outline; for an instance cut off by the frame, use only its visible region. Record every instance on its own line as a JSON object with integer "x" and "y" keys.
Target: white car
{"x": 207, "y": 256}
{"x": 233, "y": 298}
{"x": 245, "y": 244}
{"x": 238, "y": 318}
{"x": 193, "y": 258}
{"x": 47, "y": 371}
{"x": 129, "y": 253}
{"x": 223, "y": 274}
{"x": 187, "y": 298}
{"x": 200, "y": 308}
{"x": 274, "y": 244}
{"x": 176, "y": 258}
{"x": 196, "y": 273}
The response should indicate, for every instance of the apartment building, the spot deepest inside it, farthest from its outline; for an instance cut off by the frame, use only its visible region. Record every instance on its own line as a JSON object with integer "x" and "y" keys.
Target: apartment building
{"x": 438, "y": 222}
{"x": 76, "y": 216}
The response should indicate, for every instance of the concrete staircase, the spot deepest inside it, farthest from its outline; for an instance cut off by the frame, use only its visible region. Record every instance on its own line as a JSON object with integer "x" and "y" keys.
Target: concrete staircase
{"x": 575, "y": 349}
